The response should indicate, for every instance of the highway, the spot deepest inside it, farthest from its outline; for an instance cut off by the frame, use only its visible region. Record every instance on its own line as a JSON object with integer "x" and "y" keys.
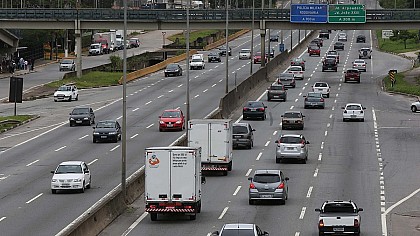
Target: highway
{"x": 30, "y": 152}
{"x": 374, "y": 163}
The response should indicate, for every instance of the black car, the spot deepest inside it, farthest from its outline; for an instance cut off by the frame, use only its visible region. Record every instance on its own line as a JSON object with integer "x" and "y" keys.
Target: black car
{"x": 274, "y": 38}
{"x": 324, "y": 34}
{"x": 254, "y": 109}
{"x": 243, "y": 135}
{"x": 107, "y": 130}
{"x": 318, "y": 41}
{"x": 338, "y": 46}
{"x": 361, "y": 39}
{"x": 276, "y": 91}
{"x": 329, "y": 64}
{"x": 173, "y": 69}
{"x": 214, "y": 56}
{"x": 82, "y": 116}
{"x": 223, "y": 51}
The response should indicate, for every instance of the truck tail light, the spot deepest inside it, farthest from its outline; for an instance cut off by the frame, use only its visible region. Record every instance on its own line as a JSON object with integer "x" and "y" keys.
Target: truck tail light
{"x": 152, "y": 206}
{"x": 321, "y": 223}
{"x": 281, "y": 186}
{"x": 188, "y": 207}
{"x": 251, "y": 186}
{"x": 356, "y": 223}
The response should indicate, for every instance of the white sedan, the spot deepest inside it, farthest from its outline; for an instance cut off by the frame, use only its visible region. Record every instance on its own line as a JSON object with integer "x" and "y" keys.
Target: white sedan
{"x": 360, "y": 65}
{"x": 71, "y": 175}
{"x": 245, "y": 54}
{"x": 354, "y": 111}
{"x": 323, "y": 88}
{"x": 297, "y": 71}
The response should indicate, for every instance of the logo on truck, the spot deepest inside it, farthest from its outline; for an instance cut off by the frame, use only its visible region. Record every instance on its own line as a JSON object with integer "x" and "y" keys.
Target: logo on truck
{"x": 154, "y": 161}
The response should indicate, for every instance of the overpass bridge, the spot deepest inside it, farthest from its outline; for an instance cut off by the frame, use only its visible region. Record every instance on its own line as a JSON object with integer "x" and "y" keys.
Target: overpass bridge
{"x": 82, "y": 19}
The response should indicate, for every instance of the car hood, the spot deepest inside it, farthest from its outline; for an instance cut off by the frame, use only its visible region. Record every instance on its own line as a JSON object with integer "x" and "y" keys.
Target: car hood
{"x": 65, "y": 93}
{"x": 170, "y": 119}
{"x": 79, "y": 116}
{"x": 105, "y": 130}
{"x": 68, "y": 176}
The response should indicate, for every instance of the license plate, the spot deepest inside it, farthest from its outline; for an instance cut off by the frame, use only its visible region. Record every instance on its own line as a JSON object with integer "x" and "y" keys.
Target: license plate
{"x": 237, "y": 136}
{"x": 275, "y": 96}
{"x": 78, "y": 121}
{"x": 170, "y": 125}
{"x": 338, "y": 229}
{"x": 103, "y": 136}
{"x": 290, "y": 148}
{"x": 313, "y": 103}
{"x": 253, "y": 109}
{"x": 319, "y": 89}
{"x": 353, "y": 116}
{"x": 266, "y": 196}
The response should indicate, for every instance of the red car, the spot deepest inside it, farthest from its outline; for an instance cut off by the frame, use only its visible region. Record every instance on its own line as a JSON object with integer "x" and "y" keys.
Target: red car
{"x": 257, "y": 58}
{"x": 352, "y": 75}
{"x": 171, "y": 120}
{"x": 314, "y": 50}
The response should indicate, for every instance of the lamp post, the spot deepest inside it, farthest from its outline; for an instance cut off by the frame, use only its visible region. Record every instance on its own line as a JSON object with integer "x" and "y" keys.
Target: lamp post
{"x": 124, "y": 116}
{"x": 163, "y": 38}
{"x": 252, "y": 38}
{"x": 187, "y": 102}
{"x": 227, "y": 46}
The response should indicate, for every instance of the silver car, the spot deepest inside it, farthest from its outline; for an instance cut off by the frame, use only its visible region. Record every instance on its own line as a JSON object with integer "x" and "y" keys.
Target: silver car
{"x": 240, "y": 229}
{"x": 415, "y": 106}
{"x": 268, "y": 185}
{"x": 293, "y": 120}
{"x": 359, "y": 64}
{"x": 67, "y": 64}
{"x": 293, "y": 147}
{"x": 314, "y": 99}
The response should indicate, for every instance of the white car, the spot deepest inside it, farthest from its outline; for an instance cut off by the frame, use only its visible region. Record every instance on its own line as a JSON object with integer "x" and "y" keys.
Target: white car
{"x": 415, "y": 106}
{"x": 245, "y": 54}
{"x": 71, "y": 175}
{"x": 67, "y": 64}
{"x": 66, "y": 92}
{"x": 323, "y": 88}
{"x": 353, "y": 111}
{"x": 297, "y": 71}
{"x": 342, "y": 37}
{"x": 359, "y": 64}
{"x": 197, "y": 62}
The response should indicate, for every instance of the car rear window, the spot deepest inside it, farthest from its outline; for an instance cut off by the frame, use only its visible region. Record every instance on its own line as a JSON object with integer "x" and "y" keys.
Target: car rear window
{"x": 78, "y": 111}
{"x": 338, "y": 207}
{"x": 238, "y": 232}
{"x": 254, "y": 104}
{"x": 295, "y": 68}
{"x": 353, "y": 107}
{"x": 240, "y": 129}
{"x": 320, "y": 85}
{"x": 314, "y": 95}
{"x": 290, "y": 140}
{"x": 277, "y": 87}
{"x": 352, "y": 71}
{"x": 292, "y": 115}
{"x": 266, "y": 178}
{"x": 171, "y": 114}
{"x": 286, "y": 75}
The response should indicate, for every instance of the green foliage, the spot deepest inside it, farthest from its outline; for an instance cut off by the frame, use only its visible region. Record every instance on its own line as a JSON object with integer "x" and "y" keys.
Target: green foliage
{"x": 90, "y": 80}
{"x": 116, "y": 62}
{"x": 21, "y": 118}
{"x": 401, "y": 85}
{"x": 396, "y": 43}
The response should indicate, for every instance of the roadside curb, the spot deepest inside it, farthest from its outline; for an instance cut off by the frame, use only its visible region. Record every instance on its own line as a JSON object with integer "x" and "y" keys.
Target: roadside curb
{"x": 22, "y": 123}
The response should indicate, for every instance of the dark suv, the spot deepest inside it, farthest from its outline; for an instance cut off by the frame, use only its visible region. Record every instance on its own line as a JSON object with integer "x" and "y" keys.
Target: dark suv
{"x": 329, "y": 64}
{"x": 243, "y": 134}
{"x": 324, "y": 34}
{"x": 82, "y": 116}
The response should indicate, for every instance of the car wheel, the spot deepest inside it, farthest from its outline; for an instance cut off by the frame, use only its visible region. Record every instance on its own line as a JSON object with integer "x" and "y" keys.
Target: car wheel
{"x": 264, "y": 117}
{"x": 70, "y": 98}
{"x": 345, "y": 81}
{"x": 77, "y": 97}
{"x": 153, "y": 216}
{"x": 249, "y": 146}
{"x": 94, "y": 140}
{"x": 166, "y": 75}
{"x": 93, "y": 121}
{"x": 53, "y": 191}
{"x": 244, "y": 118}
{"x": 116, "y": 139}
{"x": 71, "y": 124}
{"x": 82, "y": 190}
{"x": 323, "y": 70}
{"x": 278, "y": 160}
{"x": 193, "y": 217}
{"x": 305, "y": 107}
{"x": 251, "y": 202}
{"x": 413, "y": 109}
{"x": 90, "y": 182}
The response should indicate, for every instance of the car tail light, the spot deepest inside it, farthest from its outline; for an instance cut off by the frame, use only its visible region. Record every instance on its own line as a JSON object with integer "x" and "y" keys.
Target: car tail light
{"x": 354, "y": 65}
{"x": 251, "y": 186}
{"x": 356, "y": 223}
{"x": 302, "y": 143}
{"x": 245, "y": 109}
{"x": 152, "y": 206}
{"x": 321, "y": 223}
{"x": 322, "y": 99}
{"x": 363, "y": 65}
{"x": 261, "y": 109}
{"x": 188, "y": 207}
{"x": 281, "y": 186}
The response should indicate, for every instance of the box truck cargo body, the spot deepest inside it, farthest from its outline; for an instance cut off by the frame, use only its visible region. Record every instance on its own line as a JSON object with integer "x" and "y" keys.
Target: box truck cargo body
{"x": 214, "y": 136}
{"x": 173, "y": 181}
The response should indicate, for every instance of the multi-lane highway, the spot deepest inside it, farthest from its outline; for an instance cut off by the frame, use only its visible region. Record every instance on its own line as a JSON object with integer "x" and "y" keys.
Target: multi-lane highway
{"x": 374, "y": 163}
{"x": 31, "y": 151}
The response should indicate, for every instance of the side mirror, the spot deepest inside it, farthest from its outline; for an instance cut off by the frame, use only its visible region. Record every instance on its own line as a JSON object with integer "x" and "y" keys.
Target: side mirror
{"x": 364, "y": 108}
{"x": 265, "y": 106}
{"x": 360, "y": 209}
{"x": 215, "y": 233}
{"x": 317, "y": 210}
{"x": 277, "y": 141}
{"x": 286, "y": 89}
{"x": 253, "y": 129}
{"x": 250, "y": 178}
{"x": 307, "y": 142}
{"x": 303, "y": 116}
{"x": 159, "y": 117}
{"x": 87, "y": 171}
{"x": 304, "y": 96}
{"x": 93, "y": 127}
{"x": 342, "y": 108}
{"x": 266, "y": 233}
{"x": 281, "y": 116}
{"x": 52, "y": 172}
{"x": 203, "y": 180}
{"x": 287, "y": 178}
{"x": 69, "y": 113}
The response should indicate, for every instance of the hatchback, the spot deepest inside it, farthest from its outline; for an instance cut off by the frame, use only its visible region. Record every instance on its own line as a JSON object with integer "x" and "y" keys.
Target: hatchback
{"x": 314, "y": 99}
{"x": 268, "y": 185}
{"x": 338, "y": 46}
{"x": 245, "y": 54}
{"x": 298, "y": 62}
{"x": 314, "y": 50}
{"x": 342, "y": 37}
{"x": 293, "y": 147}
{"x": 286, "y": 79}
{"x": 297, "y": 71}
{"x": 71, "y": 175}
{"x": 173, "y": 69}
{"x": 335, "y": 53}
{"x": 353, "y": 111}
{"x": 243, "y": 135}
{"x": 352, "y": 75}
{"x": 240, "y": 229}
{"x": 214, "y": 56}
{"x": 359, "y": 64}
{"x": 67, "y": 64}
{"x": 82, "y": 116}
{"x": 254, "y": 109}
{"x": 277, "y": 91}
{"x": 322, "y": 87}
{"x": 293, "y": 120}
{"x": 361, "y": 39}
{"x": 172, "y": 119}
{"x": 415, "y": 106}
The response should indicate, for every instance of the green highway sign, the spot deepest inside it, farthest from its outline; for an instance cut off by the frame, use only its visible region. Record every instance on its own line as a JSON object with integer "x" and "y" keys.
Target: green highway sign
{"x": 346, "y": 13}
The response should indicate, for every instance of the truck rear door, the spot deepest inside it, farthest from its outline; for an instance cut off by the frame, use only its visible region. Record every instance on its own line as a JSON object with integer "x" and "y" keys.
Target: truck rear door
{"x": 157, "y": 176}
{"x": 199, "y": 135}
{"x": 183, "y": 175}
{"x": 219, "y": 142}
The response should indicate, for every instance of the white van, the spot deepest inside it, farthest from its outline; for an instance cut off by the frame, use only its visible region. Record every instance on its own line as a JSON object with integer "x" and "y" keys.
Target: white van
{"x": 197, "y": 62}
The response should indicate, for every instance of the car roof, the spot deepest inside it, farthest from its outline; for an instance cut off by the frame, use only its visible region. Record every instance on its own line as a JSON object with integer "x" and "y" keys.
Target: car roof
{"x": 240, "y": 124}
{"x": 291, "y": 135}
{"x": 171, "y": 110}
{"x": 351, "y": 104}
{"x": 292, "y": 112}
{"x": 238, "y": 226}
{"x": 71, "y": 163}
{"x": 266, "y": 172}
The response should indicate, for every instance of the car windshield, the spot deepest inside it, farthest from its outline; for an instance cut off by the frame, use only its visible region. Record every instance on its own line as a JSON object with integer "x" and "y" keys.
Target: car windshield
{"x": 171, "y": 114}
{"x": 64, "y": 88}
{"x": 172, "y": 67}
{"x": 254, "y": 104}
{"x": 79, "y": 111}
{"x": 94, "y": 46}
{"x": 295, "y": 68}
{"x": 286, "y": 76}
{"x": 64, "y": 169}
{"x": 339, "y": 207}
{"x": 196, "y": 60}
{"x": 67, "y": 61}
{"x": 105, "y": 124}
{"x": 258, "y": 54}
{"x": 266, "y": 178}
{"x": 276, "y": 87}
{"x": 288, "y": 139}
{"x": 292, "y": 115}
{"x": 314, "y": 95}
{"x": 245, "y": 50}
{"x": 320, "y": 85}
{"x": 238, "y": 129}
{"x": 236, "y": 232}
{"x": 359, "y": 61}
{"x": 353, "y": 107}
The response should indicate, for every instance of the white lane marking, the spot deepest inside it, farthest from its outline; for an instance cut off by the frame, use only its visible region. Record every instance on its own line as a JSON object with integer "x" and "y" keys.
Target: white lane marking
{"x": 267, "y": 143}
{"x": 177, "y": 108}
{"x": 134, "y": 136}
{"x": 196, "y": 96}
{"x": 160, "y": 96}
{"x": 170, "y": 91}
{"x": 147, "y": 103}
{"x": 237, "y": 190}
{"x": 84, "y": 136}
{"x": 332, "y": 108}
{"x": 322, "y": 145}
{"x": 179, "y": 86}
{"x": 131, "y": 94}
{"x": 205, "y": 90}
{"x": 133, "y": 225}
{"x": 213, "y": 85}
{"x": 32, "y": 163}
{"x": 149, "y": 126}
{"x": 60, "y": 148}
{"x": 320, "y": 156}
{"x": 326, "y": 132}
{"x": 1, "y": 219}
{"x": 328, "y": 125}
{"x": 308, "y": 195}
{"x": 119, "y": 117}
{"x": 34, "y": 198}
{"x": 259, "y": 156}
{"x": 303, "y": 88}
{"x": 275, "y": 132}
{"x": 223, "y": 213}
{"x": 291, "y": 107}
{"x": 136, "y": 109}
{"x": 248, "y": 172}
{"x": 297, "y": 99}
{"x": 297, "y": 234}
{"x": 114, "y": 148}
{"x": 316, "y": 172}
{"x": 220, "y": 80}
{"x": 302, "y": 213}
{"x": 330, "y": 116}
{"x": 95, "y": 160}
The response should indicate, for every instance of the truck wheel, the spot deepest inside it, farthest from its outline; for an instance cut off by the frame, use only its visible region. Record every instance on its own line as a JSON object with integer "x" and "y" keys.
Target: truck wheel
{"x": 193, "y": 217}
{"x": 225, "y": 173}
{"x": 251, "y": 202}
{"x": 153, "y": 216}
{"x": 278, "y": 160}
{"x": 230, "y": 166}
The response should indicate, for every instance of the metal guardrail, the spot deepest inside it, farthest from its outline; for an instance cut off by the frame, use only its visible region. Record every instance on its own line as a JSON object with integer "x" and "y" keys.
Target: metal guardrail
{"x": 59, "y": 14}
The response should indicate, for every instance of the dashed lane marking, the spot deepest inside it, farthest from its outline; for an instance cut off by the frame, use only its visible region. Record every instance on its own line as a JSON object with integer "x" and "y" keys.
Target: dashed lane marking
{"x": 114, "y": 148}
{"x": 160, "y": 96}
{"x": 32, "y": 163}
{"x": 34, "y": 198}
{"x": 134, "y": 136}
{"x": 267, "y": 143}
{"x": 95, "y": 160}
{"x": 2, "y": 218}
{"x": 60, "y": 148}
{"x": 302, "y": 213}
{"x": 237, "y": 190}
{"x": 320, "y": 157}
{"x": 248, "y": 172}
{"x": 84, "y": 136}
{"x": 149, "y": 126}
{"x": 259, "y": 156}
{"x": 147, "y": 103}
{"x": 316, "y": 172}
{"x": 308, "y": 195}
{"x": 223, "y": 213}
{"x": 136, "y": 109}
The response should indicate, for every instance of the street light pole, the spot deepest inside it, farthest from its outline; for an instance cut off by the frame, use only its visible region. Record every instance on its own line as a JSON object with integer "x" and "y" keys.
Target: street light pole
{"x": 187, "y": 102}
{"x": 124, "y": 118}
{"x": 227, "y": 47}
{"x": 252, "y": 38}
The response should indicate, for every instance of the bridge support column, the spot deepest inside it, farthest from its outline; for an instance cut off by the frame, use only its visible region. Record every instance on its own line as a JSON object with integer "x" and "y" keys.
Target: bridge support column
{"x": 78, "y": 37}
{"x": 262, "y": 34}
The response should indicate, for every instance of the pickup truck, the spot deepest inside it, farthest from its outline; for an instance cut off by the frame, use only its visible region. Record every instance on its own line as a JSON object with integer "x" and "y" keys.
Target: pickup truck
{"x": 339, "y": 217}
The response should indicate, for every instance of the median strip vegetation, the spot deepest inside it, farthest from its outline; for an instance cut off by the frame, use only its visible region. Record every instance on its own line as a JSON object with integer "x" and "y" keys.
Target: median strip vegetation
{"x": 7, "y": 122}
{"x": 402, "y": 86}
{"x": 90, "y": 80}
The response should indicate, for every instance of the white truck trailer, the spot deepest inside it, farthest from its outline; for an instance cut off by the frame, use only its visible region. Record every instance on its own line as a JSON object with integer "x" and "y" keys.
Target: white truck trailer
{"x": 214, "y": 136}
{"x": 173, "y": 181}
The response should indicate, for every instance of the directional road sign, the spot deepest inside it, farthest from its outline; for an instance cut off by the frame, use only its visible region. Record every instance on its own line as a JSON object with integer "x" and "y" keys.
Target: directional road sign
{"x": 351, "y": 13}
{"x": 309, "y": 13}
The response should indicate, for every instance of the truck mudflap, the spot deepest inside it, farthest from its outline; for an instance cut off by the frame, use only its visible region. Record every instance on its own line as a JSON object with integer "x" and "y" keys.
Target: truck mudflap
{"x": 169, "y": 210}
{"x": 214, "y": 168}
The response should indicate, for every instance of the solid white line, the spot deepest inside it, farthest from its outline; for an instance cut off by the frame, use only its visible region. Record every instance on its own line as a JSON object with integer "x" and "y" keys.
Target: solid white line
{"x": 135, "y": 109}
{"x": 83, "y": 137}
{"x": 147, "y": 103}
{"x": 149, "y": 126}
{"x": 223, "y": 213}
{"x": 90, "y": 163}
{"x": 259, "y": 156}
{"x": 267, "y": 143}
{"x": 133, "y": 225}
{"x": 32, "y": 163}
{"x": 1, "y": 219}
{"x": 60, "y": 148}
{"x": 316, "y": 172}
{"x": 237, "y": 190}
{"x": 248, "y": 172}
{"x": 114, "y": 148}
{"x": 33, "y": 199}
{"x": 308, "y": 195}
{"x": 134, "y": 136}
{"x": 302, "y": 213}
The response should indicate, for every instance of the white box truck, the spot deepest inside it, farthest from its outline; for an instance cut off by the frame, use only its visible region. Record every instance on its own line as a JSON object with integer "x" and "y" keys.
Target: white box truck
{"x": 173, "y": 181}
{"x": 214, "y": 136}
